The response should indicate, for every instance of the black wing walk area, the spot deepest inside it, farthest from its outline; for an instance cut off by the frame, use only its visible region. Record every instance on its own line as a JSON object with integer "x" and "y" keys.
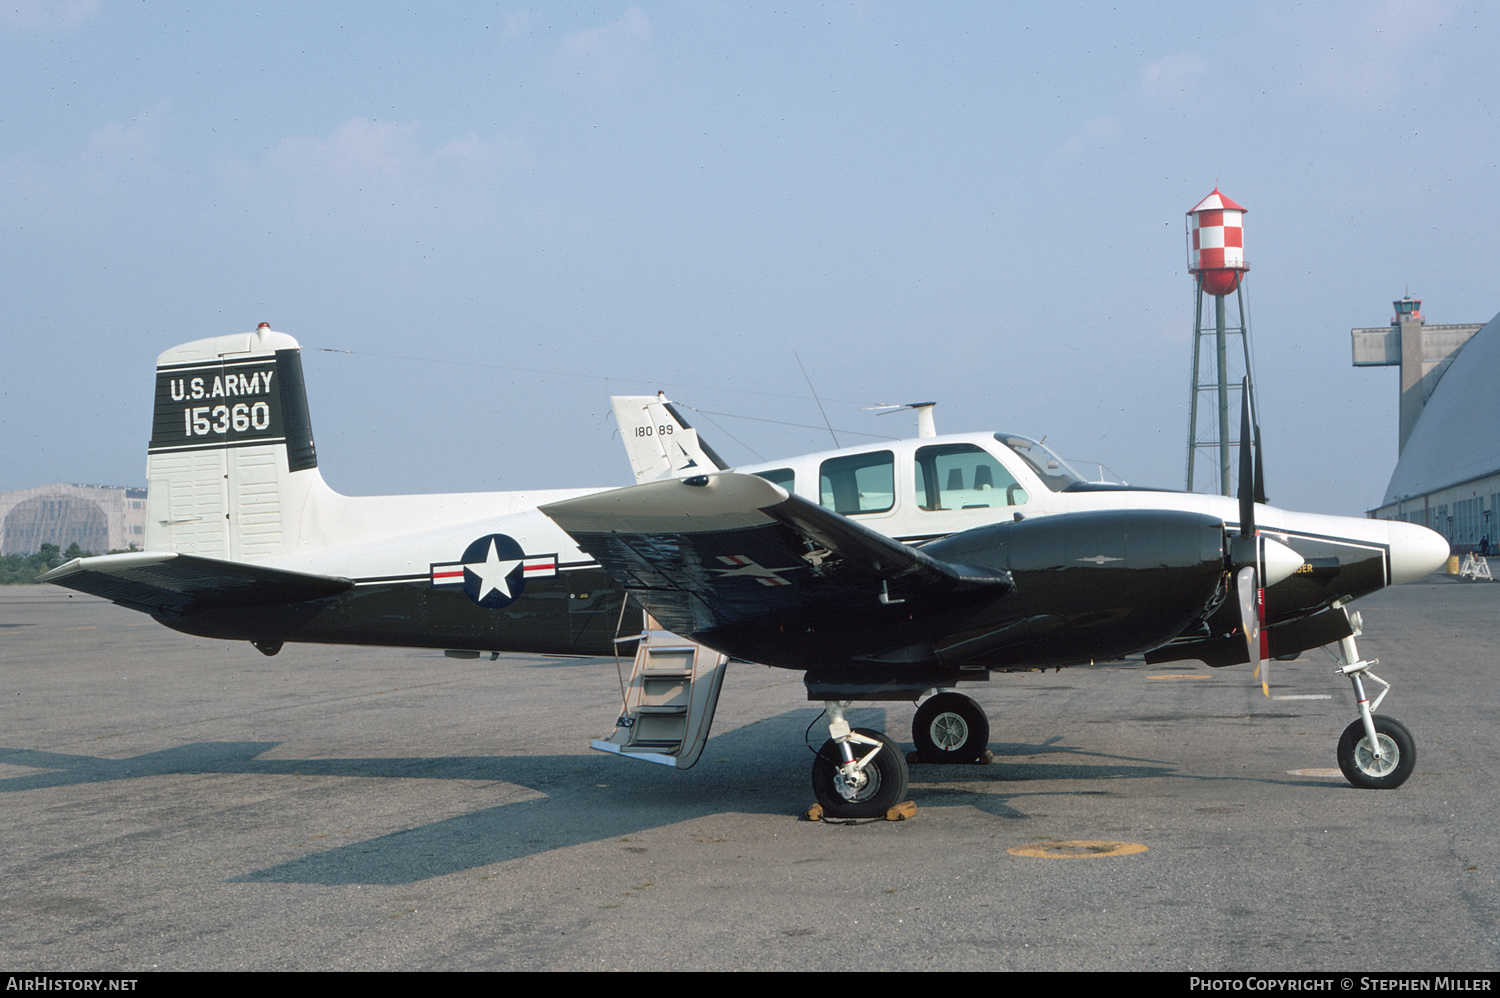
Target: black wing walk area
{"x": 720, "y": 552}
{"x": 169, "y": 584}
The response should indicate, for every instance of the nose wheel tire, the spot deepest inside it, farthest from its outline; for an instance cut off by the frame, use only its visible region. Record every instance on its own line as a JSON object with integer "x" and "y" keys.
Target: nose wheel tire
{"x": 1398, "y": 755}
{"x": 950, "y": 727}
{"x": 871, "y": 792}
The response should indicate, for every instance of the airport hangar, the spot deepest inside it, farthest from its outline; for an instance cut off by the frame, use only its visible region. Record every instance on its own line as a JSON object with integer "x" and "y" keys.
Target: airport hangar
{"x": 1448, "y": 474}
{"x": 98, "y": 518}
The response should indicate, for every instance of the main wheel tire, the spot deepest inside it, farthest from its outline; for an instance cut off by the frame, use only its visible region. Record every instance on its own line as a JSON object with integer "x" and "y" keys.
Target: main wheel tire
{"x": 883, "y": 787}
{"x": 950, "y": 727}
{"x": 1357, "y": 760}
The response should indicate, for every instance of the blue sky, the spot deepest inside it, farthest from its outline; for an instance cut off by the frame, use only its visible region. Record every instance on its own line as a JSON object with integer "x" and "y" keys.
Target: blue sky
{"x": 506, "y": 214}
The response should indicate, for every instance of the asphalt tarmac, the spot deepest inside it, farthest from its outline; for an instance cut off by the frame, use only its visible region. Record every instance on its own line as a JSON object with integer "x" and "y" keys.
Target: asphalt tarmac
{"x": 176, "y": 803}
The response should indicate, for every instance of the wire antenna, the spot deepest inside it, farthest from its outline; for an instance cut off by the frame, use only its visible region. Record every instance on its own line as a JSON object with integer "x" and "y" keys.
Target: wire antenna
{"x": 814, "y": 391}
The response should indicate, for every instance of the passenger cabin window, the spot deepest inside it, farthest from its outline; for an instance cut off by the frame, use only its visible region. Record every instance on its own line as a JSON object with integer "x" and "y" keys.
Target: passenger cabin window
{"x": 861, "y": 483}
{"x": 784, "y": 477}
{"x": 963, "y": 476}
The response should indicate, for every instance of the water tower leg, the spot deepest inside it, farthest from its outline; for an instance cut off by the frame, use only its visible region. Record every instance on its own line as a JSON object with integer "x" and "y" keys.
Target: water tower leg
{"x": 1223, "y": 395}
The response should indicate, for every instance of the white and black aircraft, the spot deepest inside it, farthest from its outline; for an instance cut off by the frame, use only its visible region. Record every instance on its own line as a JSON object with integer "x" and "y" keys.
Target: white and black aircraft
{"x": 883, "y": 572}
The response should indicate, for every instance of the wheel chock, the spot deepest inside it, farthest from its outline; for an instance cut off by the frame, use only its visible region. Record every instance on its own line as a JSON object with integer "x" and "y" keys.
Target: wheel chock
{"x": 902, "y": 811}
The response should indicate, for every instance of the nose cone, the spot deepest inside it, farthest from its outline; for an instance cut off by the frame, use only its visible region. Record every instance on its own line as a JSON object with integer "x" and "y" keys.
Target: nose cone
{"x": 1416, "y": 552}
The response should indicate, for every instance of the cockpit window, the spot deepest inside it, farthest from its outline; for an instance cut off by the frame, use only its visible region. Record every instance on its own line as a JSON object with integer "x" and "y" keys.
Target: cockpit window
{"x": 1051, "y": 469}
{"x": 963, "y": 476}
{"x": 784, "y": 477}
{"x": 860, "y": 483}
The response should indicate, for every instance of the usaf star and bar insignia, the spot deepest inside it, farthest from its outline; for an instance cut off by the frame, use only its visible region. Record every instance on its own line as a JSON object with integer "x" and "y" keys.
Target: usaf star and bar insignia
{"x": 741, "y": 566}
{"x": 493, "y": 571}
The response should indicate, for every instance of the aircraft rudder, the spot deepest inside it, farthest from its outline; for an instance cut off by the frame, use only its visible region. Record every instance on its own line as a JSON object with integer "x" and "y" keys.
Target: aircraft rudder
{"x": 231, "y": 459}
{"x": 659, "y": 441}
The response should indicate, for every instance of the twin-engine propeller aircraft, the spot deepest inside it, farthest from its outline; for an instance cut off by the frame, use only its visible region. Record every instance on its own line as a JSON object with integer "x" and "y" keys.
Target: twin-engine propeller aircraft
{"x": 891, "y": 571}
{"x": 884, "y": 572}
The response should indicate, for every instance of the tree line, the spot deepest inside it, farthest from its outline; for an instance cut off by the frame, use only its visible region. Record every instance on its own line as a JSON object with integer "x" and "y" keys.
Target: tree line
{"x": 16, "y": 569}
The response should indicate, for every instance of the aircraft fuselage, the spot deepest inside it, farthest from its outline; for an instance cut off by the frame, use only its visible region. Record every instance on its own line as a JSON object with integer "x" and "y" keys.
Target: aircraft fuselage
{"x": 399, "y": 598}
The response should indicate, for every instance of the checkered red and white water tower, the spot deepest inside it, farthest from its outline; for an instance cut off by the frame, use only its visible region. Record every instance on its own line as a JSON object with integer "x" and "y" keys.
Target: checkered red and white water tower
{"x": 1216, "y": 243}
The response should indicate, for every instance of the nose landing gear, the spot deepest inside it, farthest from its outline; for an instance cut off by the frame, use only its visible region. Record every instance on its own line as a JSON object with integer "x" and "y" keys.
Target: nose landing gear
{"x": 1375, "y": 753}
{"x": 1368, "y": 769}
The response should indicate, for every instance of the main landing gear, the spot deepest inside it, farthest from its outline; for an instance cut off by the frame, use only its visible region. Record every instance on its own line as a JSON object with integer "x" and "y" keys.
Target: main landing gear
{"x": 1375, "y": 753}
{"x": 858, "y": 773}
{"x": 950, "y": 727}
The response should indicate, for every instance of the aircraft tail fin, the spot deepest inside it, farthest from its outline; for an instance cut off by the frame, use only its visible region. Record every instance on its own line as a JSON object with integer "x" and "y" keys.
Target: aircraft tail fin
{"x": 231, "y": 466}
{"x": 659, "y": 442}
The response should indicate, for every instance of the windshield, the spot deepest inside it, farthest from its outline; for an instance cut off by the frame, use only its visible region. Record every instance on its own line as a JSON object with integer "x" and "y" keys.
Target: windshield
{"x": 1051, "y": 469}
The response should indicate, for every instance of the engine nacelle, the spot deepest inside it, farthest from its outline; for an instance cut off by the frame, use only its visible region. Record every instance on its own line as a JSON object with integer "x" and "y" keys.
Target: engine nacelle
{"x": 1091, "y": 586}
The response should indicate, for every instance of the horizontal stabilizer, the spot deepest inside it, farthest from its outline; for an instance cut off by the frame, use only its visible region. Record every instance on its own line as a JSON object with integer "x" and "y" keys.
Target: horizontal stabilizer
{"x": 720, "y": 550}
{"x": 159, "y": 582}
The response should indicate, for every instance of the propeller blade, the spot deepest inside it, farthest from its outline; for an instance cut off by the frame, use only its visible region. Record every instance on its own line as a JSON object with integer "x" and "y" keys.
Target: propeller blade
{"x": 1244, "y": 582}
{"x": 1261, "y": 557}
{"x": 1252, "y": 618}
{"x": 1263, "y": 661}
{"x": 1247, "y": 464}
{"x": 1260, "y": 471}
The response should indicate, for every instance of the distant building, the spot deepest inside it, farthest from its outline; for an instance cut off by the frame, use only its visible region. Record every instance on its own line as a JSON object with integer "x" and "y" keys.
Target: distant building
{"x": 98, "y": 518}
{"x": 1448, "y": 474}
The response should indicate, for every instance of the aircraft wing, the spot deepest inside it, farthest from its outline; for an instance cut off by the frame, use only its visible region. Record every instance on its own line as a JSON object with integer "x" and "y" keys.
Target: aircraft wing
{"x": 721, "y": 550}
{"x": 163, "y": 582}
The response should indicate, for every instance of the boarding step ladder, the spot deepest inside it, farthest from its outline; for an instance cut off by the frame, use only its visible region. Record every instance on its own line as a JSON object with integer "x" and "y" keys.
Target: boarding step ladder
{"x": 1475, "y": 568}
{"x": 670, "y": 702}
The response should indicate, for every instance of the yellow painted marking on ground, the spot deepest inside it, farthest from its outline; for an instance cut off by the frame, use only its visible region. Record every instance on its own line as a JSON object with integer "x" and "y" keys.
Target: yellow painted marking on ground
{"x": 90, "y": 627}
{"x": 1076, "y": 850}
{"x": 1333, "y": 773}
{"x": 1303, "y": 696}
{"x": 1183, "y": 675}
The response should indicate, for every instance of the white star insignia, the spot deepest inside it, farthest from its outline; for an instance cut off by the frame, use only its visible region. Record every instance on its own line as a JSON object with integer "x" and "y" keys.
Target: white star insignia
{"x": 492, "y": 574}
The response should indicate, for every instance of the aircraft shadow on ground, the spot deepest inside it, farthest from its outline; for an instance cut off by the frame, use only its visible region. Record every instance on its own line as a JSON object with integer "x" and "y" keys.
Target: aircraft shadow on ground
{"x": 757, "y": 768}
